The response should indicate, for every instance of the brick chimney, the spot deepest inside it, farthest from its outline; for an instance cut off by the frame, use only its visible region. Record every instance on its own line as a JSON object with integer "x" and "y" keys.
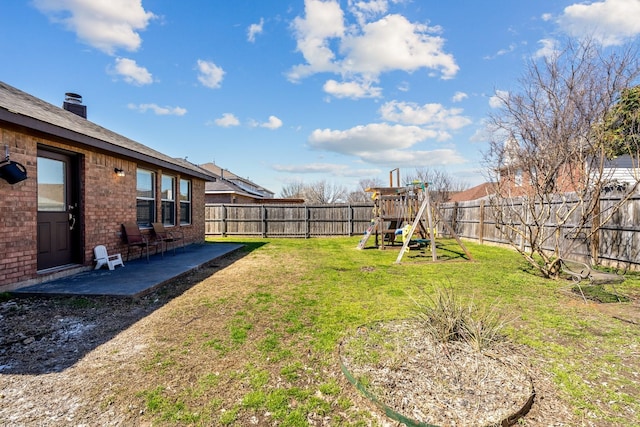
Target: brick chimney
{"x": 73, "y": 103}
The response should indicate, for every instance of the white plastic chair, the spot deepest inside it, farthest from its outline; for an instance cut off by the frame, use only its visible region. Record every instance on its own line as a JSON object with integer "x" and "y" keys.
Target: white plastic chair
{"x": 103, "y": 258}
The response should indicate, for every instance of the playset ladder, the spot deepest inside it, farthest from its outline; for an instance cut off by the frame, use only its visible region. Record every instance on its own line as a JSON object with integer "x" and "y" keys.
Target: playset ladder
{"x": 367, "y": 234}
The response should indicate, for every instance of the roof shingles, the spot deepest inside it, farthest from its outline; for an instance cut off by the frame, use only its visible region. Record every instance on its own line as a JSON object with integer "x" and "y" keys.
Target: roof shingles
{"x": 21, "y": 108}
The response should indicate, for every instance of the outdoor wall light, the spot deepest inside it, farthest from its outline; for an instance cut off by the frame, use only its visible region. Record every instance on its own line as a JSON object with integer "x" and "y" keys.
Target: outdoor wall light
{"x": 119, "y": 172}
{"x": 11, "y": 171}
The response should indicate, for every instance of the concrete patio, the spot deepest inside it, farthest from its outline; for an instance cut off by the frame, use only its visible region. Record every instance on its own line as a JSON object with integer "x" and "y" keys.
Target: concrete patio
{"x": 137, "y": 277}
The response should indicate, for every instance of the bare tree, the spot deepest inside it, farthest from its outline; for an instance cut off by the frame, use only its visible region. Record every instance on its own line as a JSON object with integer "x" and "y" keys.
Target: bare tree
{"x": 319, "y": 192}
{"x": 441, "y": 184}
{"x": 548, "y": 152}
{"x": 360, "y": 195}
{"x": 293, "y": 190}
{"x": 324, "y": 192}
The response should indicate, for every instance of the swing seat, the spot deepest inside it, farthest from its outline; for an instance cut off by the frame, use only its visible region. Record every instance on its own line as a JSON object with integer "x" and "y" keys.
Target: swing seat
{"x": 419, "y": 243}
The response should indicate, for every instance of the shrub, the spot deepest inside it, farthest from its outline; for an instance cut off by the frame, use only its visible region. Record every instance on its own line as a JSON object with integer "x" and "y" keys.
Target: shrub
{"x": 447, "y": 319}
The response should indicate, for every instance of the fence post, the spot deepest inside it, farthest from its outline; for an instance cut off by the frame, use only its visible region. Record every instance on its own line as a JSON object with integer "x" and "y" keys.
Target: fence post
{"x": 481, "y": 224}
{"x": 350, "y": 225}
{"x": 454, "y": 217}
{"x": 595, "y": 236}
{"x": 525, "y": 221}
{"x": 263, "y": 214}
{"x": 224, "y": 221}
{"x": 307, "y": 216}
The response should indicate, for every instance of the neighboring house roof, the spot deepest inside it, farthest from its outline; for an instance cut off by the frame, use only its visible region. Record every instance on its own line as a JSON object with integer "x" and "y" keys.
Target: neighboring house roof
{"x": 222, "y": 186}
{"x": 22, "y": 109}
{"x": 230, "y": 183}
{"x": 477, "y": 192}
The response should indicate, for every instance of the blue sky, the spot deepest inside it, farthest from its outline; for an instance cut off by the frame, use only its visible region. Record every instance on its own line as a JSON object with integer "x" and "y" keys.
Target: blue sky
{"x": 280, "y": 91}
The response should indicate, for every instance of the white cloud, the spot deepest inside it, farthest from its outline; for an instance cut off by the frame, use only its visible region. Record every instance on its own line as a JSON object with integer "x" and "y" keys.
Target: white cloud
{"x": 353, "y": 90}
{"x": 548, "y": 49}
{"x": 459, "y": 96}
{"x": 611, "y": 22}
{"x": 160, "y": 111}
{"x": 366, "y": 49}
{"x": 367, "y": 10}
{"x": 546, "y": 17}
{"x": 416, "y": 159}
{"x": 501, "y": 52}
{"x": 273, "y": 123}
{"x": 227, "y": 120}
{"x": 371, "y": 138}
{"x": 323, "y": 21}
{"x": 255, "y": 29}
{"x": 379, "y": 144}
{"x": 326, "y": 169}
{"x": 394, "y": 43}
{"x": 132, "y": 72}
{"x": 210, "y": 74}
{"x": 433, "y": 116}
{"x": 496, "y": 101}
{"x": 106, "y": 25}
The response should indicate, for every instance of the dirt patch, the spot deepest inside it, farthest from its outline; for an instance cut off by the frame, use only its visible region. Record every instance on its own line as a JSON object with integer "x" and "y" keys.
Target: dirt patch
{"x": 58, "y": 355}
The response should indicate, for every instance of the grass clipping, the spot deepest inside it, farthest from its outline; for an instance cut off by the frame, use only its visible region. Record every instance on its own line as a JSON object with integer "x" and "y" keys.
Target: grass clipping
{"x": 449, "y": 365}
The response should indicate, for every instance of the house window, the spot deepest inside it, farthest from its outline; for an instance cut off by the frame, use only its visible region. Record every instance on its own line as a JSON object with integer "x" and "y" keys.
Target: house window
{"x": 145, "y": 197}
{"x": 168, "y": 200}
{"x": 185, "y": 202}
{"x": 51, "y": 185}
{"x": 518, "y": 178}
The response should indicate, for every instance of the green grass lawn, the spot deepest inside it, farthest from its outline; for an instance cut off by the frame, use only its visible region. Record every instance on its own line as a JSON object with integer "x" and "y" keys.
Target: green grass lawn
{"x": 270, "y": 332}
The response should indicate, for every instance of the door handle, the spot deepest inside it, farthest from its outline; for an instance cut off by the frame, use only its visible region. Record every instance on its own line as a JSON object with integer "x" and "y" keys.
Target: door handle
{"x": 72, "y": 217}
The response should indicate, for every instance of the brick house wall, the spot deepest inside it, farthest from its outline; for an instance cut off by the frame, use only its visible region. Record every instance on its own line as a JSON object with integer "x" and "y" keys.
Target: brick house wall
{"x": 105, "y": 202}
{"x": 18, "y": 205}
{"x": 516, "y": 182}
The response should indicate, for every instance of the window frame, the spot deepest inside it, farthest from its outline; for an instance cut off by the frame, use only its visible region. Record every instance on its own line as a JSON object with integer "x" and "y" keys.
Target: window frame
{"x": 186, "y": 202}
{"x": 145, "y": 200}
{"x": 168, "y": 200}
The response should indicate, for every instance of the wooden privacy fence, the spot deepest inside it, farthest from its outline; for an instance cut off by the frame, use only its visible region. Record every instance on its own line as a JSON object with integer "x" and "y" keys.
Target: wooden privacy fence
{"x": 287, "y": 220}
{"x": 617, "y": 241}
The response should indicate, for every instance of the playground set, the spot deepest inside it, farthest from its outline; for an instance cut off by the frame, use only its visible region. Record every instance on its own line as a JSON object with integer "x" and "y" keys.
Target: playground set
{"x": 404, "y": 215}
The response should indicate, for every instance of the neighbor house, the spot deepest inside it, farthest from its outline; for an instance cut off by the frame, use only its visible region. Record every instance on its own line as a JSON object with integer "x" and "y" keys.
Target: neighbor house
{"x": 617, "y": 174}
{"x": 82, "y": 182}
{"x": 231, "y": 188}
{"x": 474, "y": 193}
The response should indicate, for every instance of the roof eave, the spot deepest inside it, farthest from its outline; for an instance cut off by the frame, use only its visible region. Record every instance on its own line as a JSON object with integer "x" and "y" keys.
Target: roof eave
{"x": 67, "y": 134}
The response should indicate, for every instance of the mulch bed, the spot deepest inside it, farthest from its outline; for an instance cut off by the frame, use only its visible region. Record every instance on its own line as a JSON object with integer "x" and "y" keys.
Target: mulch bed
{"x": 400, "y": 367}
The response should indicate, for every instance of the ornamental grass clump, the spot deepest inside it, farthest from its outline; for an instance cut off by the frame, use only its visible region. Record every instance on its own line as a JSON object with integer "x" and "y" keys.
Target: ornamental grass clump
{"x": 446, "y": 319}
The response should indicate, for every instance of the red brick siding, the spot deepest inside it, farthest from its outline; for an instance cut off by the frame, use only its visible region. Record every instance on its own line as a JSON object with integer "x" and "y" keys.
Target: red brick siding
{"x": 106, "y": 201}
{"x": 18, "y": 212}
